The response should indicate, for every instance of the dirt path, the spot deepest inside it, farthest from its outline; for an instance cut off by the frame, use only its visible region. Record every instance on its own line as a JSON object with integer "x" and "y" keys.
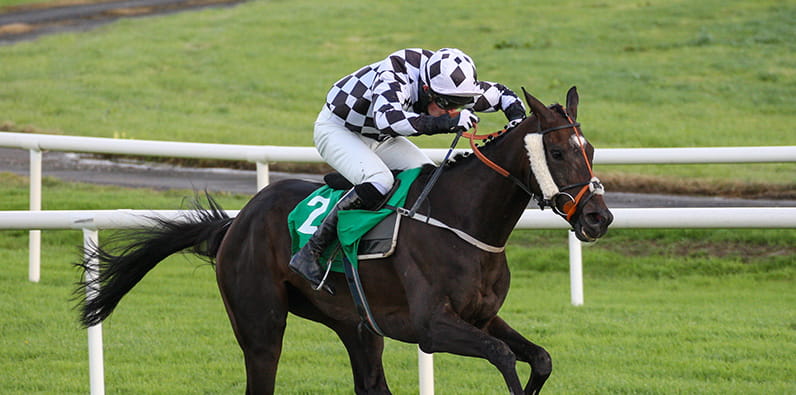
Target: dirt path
{"x": 134, "y": 174}
{"x": 30, "y": 21}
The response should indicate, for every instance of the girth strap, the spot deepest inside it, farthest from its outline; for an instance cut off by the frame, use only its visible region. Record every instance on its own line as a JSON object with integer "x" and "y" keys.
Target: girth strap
{"x": 360, "y": 300}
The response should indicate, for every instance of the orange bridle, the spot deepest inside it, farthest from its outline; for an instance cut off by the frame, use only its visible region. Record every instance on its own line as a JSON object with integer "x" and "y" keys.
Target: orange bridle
{"x": 567, "y": 208}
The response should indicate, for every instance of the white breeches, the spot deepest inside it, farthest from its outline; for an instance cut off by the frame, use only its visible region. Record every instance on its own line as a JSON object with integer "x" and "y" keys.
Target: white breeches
{"x": 362, "y": 159}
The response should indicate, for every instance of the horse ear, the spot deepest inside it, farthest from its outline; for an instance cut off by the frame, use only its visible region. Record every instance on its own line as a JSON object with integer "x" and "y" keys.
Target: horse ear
{"x": 537, "y": 108}
{"x": 572, "y": 103}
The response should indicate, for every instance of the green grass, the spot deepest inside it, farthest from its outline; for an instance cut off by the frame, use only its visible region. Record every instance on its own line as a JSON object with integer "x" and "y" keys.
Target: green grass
{"x": 683, "y": 311}
{"x": 651, "y": 74}
{"x": 693, "y": 334}
{"x": 667, "y": 311}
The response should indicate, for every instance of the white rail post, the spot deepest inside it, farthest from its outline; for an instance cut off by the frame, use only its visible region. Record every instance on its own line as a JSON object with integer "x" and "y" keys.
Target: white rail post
{"x": 263, "y": 175}
{"x": 425, "y": 372}
{"x": 575, "y": 270}
{"x": 96, "y": 370}
{"x": 34, "y": 246}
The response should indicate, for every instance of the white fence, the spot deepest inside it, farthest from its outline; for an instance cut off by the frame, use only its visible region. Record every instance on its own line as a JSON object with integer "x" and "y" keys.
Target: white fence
{"x": 263, "y": 155}
{"x": 91, "y": 221}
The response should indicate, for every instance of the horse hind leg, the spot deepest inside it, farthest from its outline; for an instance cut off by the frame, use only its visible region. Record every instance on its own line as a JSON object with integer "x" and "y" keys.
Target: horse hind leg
{"x": 365, "y": 353}
{"x": 526, "y": 351}
{"x": 258, "y": 314}
{"x": 259, "y": 332}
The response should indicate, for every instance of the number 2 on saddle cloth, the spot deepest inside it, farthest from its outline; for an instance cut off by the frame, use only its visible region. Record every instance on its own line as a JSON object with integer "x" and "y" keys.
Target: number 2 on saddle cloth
{"x": 352, "y": 224}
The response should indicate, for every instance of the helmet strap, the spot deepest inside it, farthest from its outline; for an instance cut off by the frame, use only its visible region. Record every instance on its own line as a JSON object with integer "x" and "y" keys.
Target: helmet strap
{"x": 423, "y": 100}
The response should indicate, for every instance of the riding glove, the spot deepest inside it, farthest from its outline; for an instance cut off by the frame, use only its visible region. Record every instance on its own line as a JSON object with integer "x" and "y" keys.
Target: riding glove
{"x": 447, "y": 124}
{"x": 465, "y": 120}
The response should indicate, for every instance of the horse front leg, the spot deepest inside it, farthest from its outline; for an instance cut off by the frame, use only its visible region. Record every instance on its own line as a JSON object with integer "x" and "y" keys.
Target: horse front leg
{"x": 449, "y": 333}
{"x": 526, "y": 351}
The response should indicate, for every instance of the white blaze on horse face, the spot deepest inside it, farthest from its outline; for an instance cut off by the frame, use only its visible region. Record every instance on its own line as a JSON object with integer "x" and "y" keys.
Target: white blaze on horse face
{"x": 577, "y": 141}
{"x": 535, "y": 147}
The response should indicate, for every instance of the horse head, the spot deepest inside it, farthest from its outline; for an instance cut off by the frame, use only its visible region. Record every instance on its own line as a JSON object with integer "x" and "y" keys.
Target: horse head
{"x": 561, "y": 165}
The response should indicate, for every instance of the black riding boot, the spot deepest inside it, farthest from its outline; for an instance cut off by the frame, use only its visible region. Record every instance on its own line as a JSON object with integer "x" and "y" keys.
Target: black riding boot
{"x": 305, "y": 262}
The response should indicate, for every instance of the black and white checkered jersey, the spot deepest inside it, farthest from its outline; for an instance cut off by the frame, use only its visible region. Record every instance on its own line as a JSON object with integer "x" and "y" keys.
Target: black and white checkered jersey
{"x": 384, "y": 98}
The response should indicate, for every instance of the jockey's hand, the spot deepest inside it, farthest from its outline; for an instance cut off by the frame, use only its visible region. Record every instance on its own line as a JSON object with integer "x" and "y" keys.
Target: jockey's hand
{"x": 464, "y": 121}
{"x": 449, "y": 122}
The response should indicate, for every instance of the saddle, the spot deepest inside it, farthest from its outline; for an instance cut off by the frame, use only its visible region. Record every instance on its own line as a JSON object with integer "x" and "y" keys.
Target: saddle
{"x": 363, "y": 234}
{"x": 380, "y": 241}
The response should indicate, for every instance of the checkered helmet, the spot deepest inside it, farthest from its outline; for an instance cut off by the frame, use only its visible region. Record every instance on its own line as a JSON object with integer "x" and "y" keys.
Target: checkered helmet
{"x": 451, "y": 72}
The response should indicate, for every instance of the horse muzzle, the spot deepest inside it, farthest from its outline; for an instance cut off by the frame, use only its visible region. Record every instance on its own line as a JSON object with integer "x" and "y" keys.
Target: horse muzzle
{"x": 593, "y": 221}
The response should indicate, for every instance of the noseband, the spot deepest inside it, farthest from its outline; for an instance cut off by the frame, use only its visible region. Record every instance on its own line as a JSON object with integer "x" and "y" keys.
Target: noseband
{"x": 561, "y": 202}
{"x": 569, "y": 205}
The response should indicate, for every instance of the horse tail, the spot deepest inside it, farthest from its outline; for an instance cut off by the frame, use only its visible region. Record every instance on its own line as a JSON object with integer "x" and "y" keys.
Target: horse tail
{"x": 133, "y": 254}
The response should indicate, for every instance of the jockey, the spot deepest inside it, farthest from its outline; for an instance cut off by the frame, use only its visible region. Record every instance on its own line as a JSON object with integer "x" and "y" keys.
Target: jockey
{"x": 361, "y": 130}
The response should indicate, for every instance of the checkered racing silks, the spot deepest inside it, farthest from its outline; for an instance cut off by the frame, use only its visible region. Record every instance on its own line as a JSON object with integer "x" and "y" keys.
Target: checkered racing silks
{"x": 386, "y": 98}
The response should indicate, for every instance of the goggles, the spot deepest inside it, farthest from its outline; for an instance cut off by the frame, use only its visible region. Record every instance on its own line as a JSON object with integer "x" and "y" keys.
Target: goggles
{"x": 447, "y": 102}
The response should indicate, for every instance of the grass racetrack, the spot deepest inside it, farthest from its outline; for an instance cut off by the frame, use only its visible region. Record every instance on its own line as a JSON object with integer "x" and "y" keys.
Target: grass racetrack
{"x": 666, "y": 311}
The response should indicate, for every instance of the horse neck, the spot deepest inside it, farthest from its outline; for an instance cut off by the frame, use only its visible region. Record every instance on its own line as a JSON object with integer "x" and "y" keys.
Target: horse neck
{"x": 478, "y": 199}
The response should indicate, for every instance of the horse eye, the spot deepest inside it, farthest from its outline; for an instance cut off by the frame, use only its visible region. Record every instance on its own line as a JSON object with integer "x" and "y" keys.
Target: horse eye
{"x": 557, "y": 154}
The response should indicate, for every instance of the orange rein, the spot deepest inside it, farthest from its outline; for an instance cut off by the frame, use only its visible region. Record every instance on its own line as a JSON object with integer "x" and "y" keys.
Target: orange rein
{"x": 570, "y": 207}
{"x": 473, "y": 137}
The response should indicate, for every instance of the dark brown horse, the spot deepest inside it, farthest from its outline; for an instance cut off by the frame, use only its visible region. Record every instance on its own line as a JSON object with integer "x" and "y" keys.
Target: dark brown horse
{"x": 436, "y": 290}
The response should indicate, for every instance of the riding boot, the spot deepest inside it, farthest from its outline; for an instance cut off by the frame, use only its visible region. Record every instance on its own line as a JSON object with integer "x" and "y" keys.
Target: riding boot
{"x": 305, "y": 262}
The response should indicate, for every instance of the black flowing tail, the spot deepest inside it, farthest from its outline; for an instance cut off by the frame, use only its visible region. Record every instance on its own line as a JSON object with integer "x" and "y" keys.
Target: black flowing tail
{"x": 139, "y": 251}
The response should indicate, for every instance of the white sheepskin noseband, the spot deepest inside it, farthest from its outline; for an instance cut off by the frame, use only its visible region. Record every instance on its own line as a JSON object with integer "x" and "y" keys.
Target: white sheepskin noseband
{"x": 535, "y": 147}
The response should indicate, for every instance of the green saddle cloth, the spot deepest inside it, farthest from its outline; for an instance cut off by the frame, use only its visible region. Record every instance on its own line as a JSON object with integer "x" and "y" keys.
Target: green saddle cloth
{"x": 351, "y": 225}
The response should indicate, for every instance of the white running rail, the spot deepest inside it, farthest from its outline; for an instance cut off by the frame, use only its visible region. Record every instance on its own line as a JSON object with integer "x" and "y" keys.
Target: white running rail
{"x": 263, "y": 155}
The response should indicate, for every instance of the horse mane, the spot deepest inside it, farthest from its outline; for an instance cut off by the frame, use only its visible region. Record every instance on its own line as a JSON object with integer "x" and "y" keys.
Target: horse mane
{"x": 559, "y": 109}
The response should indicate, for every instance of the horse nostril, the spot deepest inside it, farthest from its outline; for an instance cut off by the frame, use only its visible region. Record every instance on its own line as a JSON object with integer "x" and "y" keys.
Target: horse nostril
{"x": 595, "y": 219}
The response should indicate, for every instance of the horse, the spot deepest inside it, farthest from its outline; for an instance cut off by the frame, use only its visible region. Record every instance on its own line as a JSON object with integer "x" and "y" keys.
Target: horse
{"x": 437, "y": 290}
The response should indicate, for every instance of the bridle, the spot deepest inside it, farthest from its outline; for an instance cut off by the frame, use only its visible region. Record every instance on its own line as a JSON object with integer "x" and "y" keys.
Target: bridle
{"x": 562, "y": 203}
{"x": 566, "y": 208}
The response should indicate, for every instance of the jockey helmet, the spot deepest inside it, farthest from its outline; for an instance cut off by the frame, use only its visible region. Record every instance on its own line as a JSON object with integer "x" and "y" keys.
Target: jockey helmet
{"x": 450, "y": 72}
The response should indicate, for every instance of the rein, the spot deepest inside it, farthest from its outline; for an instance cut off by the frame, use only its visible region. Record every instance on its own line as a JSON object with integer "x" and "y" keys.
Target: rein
{"x": 570, "y": 206}
{"x": 412, "y": 213}
{"x": 492, "y": 165}
{"x": 567, "y": 211}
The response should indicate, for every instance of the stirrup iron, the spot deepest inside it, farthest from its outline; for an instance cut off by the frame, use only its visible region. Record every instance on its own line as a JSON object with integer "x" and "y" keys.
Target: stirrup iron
{"x": 328, "y": 270}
